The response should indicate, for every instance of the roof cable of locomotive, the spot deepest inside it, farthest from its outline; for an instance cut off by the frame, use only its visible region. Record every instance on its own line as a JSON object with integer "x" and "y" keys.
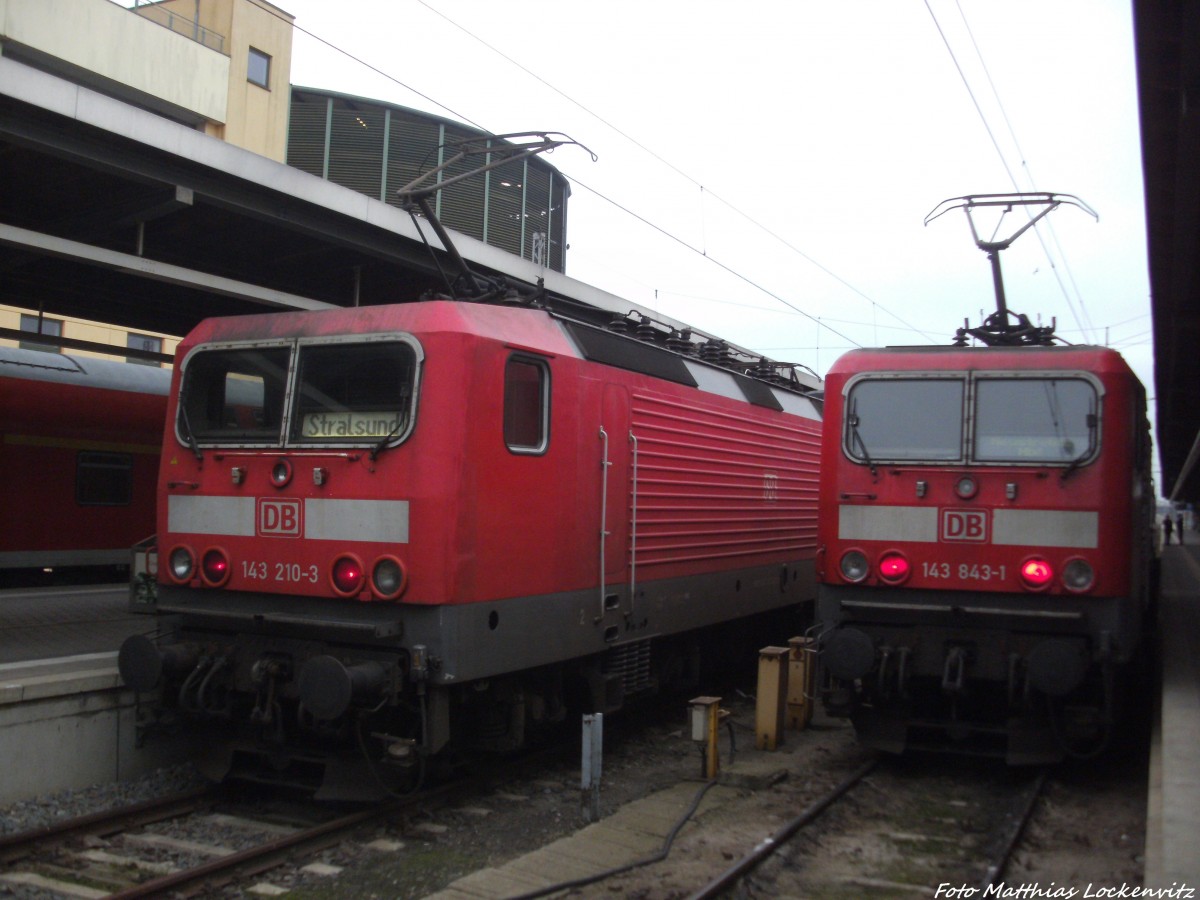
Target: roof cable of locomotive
{"x": 682, "y": 174}
{"x": 471, "y": 286}
{"x": 1000, "y": 328}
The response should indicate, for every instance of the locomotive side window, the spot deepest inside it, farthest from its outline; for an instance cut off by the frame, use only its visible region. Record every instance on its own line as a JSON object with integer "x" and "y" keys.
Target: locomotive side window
{"x": 1043, "y": 420}
{"x": 234, "y": 396}
{"x": 348, "y": 392}
{"x": 526, "y": 405}
{"x": 103, "y": 479}
{"x": 905, "y": 419}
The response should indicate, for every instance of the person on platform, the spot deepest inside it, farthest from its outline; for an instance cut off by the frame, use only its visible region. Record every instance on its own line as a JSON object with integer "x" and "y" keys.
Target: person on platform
{"x": 1168, "y": 525}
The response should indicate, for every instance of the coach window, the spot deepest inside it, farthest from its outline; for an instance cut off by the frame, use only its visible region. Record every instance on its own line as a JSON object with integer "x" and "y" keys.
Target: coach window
{"x": 526, "y": 405}
{"x": 233, "y": 396}
{"x": 918, "y": 419}
{"x": 358, "y": 393}
{"x": 103, "y": 479}
{"x": 1035, "y": 420}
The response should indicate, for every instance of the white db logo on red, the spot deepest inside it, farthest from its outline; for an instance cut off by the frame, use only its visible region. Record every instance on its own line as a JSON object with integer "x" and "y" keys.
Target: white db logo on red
{"x": 279, "y": 518}
{"x": 964, "y": 525}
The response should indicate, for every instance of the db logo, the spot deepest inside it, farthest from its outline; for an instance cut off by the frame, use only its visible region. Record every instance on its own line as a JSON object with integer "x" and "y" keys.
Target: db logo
{"x": 964, "y": 525}
{"x": 279, "y": 518}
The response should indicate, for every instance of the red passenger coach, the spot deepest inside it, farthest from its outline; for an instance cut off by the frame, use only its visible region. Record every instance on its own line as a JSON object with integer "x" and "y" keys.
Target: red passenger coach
{"x": 405, "y": 528}
{"x": 79, "y": 448}
{"x": 985, "y": 542}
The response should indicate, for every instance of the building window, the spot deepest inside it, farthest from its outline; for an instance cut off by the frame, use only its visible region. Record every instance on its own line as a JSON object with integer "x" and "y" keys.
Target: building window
{"x": 143, "y": 342}
{"x": 35, "y": 325}
{"x": 258, "y": 69}
{"x": 104, "y": 479}
{"x": 526, "y": 405}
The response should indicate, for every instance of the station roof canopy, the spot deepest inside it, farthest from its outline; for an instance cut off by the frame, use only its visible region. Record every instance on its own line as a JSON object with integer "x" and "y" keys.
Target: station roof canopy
{"x": 110, "y": 212}
{"x": 1167, "y": 36}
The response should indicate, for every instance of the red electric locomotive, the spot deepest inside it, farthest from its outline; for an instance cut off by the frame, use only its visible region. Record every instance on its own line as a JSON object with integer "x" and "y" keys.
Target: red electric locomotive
{"x": 433, "y": 525}
{"x": 92, "y": 430}
{"x": 986, "y": 538}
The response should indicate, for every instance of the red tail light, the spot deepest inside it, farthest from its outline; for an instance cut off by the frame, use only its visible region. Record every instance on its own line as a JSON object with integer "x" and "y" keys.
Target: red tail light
{"x": 347, "y": 576}
{"x": 894, "y": 567}
{"x": 1036, "y": 573}
{"x": 214, "y": 567}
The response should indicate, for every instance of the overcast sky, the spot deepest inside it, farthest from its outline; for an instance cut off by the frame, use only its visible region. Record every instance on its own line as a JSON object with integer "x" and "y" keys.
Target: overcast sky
{"x": 785, "y": 154}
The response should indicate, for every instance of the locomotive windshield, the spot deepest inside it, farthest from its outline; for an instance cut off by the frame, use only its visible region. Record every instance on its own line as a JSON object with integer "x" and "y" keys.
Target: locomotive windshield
{"x": 1037, "y": 420}
{"x": 352, "y": 392}
{"x": 1047, "y": 420}
{"x": 234, "y": 395}
{"x": 341, "y": 392}
{"x": 905, "y": 419}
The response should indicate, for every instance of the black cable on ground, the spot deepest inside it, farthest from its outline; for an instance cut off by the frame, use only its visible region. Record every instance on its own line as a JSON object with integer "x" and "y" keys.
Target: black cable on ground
{"x": 636, "y": 864}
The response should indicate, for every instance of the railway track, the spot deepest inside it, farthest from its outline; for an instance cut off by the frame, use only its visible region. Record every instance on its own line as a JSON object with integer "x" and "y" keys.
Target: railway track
{"x": 183, "y": 845}
{"x": 895, "y": 826}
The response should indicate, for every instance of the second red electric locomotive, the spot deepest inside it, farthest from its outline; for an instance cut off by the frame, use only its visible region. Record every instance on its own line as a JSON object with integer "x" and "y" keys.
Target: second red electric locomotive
{"x": 985, "y": 544}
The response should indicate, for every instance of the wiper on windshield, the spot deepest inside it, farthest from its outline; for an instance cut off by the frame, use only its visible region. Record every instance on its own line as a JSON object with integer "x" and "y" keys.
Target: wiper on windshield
{"x": 852, "y": 421}
{"x": 383, "y": 441}
{"x": 187, "y": 431}
{"x": 1091, "y": 447}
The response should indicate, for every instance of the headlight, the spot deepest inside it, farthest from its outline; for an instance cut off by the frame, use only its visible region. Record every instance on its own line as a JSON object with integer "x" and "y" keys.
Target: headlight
{"x": 180, "y": 564}
{"x": 388, "y": 578}
{"x": 854, "y": 566}
{"x": 1078, "y": 575}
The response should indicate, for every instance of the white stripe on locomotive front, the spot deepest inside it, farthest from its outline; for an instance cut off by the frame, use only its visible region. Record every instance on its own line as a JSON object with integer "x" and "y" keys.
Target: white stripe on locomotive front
{"x": 380, "y": 521}
{"x": 1010, "y": 527}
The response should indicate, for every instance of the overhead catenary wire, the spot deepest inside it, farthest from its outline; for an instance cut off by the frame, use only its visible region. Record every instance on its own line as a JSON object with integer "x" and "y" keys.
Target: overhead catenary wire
{"x": 674, "y": 168}
{"x": 702, "y": 250}
{"x": 1082, "y": 316}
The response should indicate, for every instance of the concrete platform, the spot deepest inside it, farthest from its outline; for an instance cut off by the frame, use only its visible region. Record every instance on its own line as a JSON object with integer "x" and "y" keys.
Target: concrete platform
{"x": 66, "y": 720}
{"x": 1173, "y": 806}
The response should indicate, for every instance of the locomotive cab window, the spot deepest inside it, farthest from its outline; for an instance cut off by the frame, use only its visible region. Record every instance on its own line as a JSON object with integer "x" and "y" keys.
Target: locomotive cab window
{"x": 1037, "y": 420}
{"x": 233, "y": 396}
{"x": 526, "y": 405}
{"x": 354, "y": 392}
{"x": 904, "y": 419}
